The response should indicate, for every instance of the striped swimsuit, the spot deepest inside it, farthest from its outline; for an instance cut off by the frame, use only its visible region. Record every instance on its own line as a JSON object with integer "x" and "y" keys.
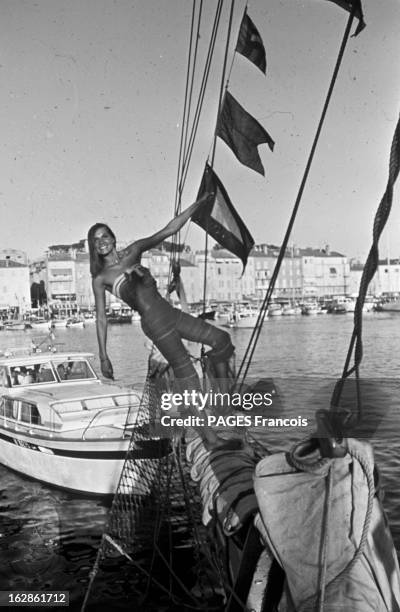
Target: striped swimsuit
{"x": 166, "y": 326}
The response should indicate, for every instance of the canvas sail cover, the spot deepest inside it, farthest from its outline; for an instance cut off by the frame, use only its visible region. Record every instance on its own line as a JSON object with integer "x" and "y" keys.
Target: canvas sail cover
{"x": 293, "y": 507}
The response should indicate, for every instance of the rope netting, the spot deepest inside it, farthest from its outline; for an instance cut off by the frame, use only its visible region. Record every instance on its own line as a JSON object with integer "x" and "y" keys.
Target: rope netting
{"x": 155, "y": 525}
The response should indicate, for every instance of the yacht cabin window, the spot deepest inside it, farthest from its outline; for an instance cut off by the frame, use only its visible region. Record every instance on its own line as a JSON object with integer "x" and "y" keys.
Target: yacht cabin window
{"x": 8, "y": 408}
{"x": 29, "y": 413}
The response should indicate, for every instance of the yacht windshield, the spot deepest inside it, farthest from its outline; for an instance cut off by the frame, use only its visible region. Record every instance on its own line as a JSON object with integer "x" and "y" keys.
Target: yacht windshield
{"x": 49, "y": 372}
{"x": 74, "y": 369}
{"x": 33, "y": 373}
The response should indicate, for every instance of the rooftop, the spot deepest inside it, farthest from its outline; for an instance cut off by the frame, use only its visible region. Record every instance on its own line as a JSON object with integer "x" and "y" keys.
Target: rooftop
{"x": 9, "y": 263}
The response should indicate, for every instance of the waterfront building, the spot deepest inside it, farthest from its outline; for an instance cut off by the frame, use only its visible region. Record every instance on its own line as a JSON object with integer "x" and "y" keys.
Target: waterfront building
{"x": 223, "y": 275}
{"x": 386, "y": 280}
{"x": 158, "y": 262}
{"x": 192, "y": 279}
{"x": 325, "y": 273}
{"x": 14, "y": 255}
{"x": 15, "y": 295}
{"x": 61, "y": 283}
{"x": 356, "y": 271}
{"x": 289, "y": 284}
{"x": 60, "y": 272}
{"x": 64, "y": 273}
{"x": 387, "y": 277}
{"x": 83, "y": 282}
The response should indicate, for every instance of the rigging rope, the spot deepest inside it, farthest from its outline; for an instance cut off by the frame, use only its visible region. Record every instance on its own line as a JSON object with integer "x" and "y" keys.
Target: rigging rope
{"x": 248, "y": 356}
{"x": 187, "y": 143}
{"x": 371, "y": 266}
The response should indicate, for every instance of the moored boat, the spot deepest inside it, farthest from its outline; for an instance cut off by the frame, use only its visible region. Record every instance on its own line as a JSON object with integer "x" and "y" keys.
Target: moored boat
{"x": 275, "y": 310}
{"x": 207, "y": 315}
{"x": 17, "y": 326}
{"x": 244, "y": 318}
{"x": 392, "y": 306}
{"x": 311, "y": 309}
{"x": 291, "y": 310}
{"x": 55, "y": 323}
{"x": 75, "y": 323}
{"x": 120, "y": 315}
{"x": 342, "y": 305}
{"x": 61, "y": 425}
{"x": 40, "y": 323}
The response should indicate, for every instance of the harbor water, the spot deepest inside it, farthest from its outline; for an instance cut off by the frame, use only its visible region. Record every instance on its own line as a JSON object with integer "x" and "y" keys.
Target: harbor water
{"x": 49, "y": 537}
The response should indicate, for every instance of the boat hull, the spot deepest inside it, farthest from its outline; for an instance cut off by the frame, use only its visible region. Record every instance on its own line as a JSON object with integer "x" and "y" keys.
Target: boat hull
{"x": 390, "y": 307}
{"x": 274, "y": 311}
{"x": 119, "y": 320}
{"x": 54, "y": 323}
{"x": 245, "y": 322}
{"x": 17, "y": 326}
{"x": 41, "y": 325}
{"x": 93, "y": 468}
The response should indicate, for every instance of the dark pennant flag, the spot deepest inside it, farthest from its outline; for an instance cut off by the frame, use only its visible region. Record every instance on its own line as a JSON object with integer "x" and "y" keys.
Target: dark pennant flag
{"x": 250, "y": 43}
{"x": 219, "y": 218}
{"x": 242, "y": 133}
{"x": 348, "y": 6}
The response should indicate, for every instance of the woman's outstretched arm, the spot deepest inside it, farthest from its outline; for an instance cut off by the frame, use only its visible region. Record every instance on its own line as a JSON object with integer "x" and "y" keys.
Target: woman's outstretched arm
{"x": 101, "y": 327}
{"x": 144, "y": 244}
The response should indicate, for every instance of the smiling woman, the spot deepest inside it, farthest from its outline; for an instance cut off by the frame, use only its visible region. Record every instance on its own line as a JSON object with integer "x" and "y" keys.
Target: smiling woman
{"x": 121, "y": 274}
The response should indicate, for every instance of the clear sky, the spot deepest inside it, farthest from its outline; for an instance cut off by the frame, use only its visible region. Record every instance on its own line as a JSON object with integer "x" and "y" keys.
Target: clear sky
{"x": 91, "y": 106}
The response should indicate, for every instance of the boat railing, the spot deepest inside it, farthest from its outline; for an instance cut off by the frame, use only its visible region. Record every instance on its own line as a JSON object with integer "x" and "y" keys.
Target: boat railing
{"x": 123, "y": 418}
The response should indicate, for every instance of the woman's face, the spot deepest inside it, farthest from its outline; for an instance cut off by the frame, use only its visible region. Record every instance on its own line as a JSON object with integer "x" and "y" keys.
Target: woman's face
{"x": 103, "y": 241}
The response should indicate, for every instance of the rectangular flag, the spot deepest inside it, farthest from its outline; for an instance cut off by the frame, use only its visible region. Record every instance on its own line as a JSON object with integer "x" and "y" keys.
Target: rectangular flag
{"x": 219, "y": 218}
{"x": 242, "y": 133}
{"x": 250, "y": 43}
{"x": 348, "y": 6}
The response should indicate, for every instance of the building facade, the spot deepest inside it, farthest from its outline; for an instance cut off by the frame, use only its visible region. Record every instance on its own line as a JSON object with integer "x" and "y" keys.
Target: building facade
{"x": 385, "y": 282}
{"x": 14, "y": 255}
{"x": 14, "y": 287}
{"x": 223, "y": 273}
{"x": 324, "y": 273}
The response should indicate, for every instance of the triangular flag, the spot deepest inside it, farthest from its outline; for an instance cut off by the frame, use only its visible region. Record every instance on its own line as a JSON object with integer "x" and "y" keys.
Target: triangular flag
{"x": 348, "y": 6}
{"x": 250, "y": 43}
{"x": 219, "y": 218}
{"x": 242, "y": 133}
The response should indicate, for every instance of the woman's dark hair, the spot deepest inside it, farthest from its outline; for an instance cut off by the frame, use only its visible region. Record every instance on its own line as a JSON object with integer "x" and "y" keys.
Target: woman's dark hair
{"x": 96, "y": 260}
